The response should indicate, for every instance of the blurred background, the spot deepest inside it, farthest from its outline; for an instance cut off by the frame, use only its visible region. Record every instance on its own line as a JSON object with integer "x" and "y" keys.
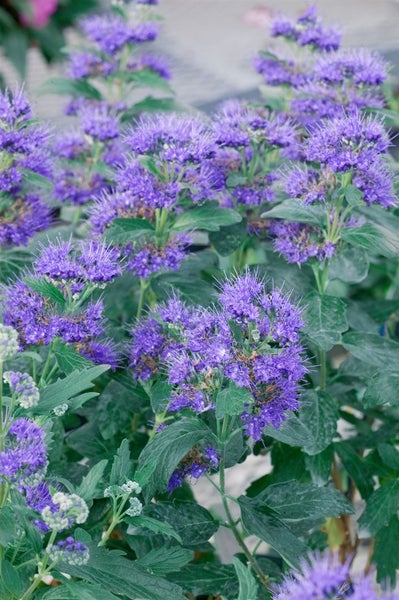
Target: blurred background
{"x": 210, "y": 43}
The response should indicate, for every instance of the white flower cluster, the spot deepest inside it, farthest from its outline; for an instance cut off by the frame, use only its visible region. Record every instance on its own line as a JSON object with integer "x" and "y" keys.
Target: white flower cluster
{"x": 135, "y": 509}
{"x": 130, "y": 487}
{"x": 60, "y": 409}
{"x": 8, "y": 342}
{"x": 24, "y": 387}
{"x": 72, "y": 509}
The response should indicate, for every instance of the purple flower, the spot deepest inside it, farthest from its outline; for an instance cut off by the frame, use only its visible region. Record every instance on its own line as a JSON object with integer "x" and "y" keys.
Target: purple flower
{"x": 149, "y": 258}
{"x": 23, "y": 387}
{"x": 348, "y": 142}
{"x": 21, "y": 217}
{"x": 84, "y": 64}
{"x": 102, "y": 352}
{"x": 87, "y": 261}
{"x": 195, "y": 464}
{"x": 321, "y": 576}
{"x": 99, "y": 123}
{"x": 111, "y": 32}
{"x": 280, "y": 70}
{"x": 309, "y": 185}
{"x": 187, "y": 396}
{"x": 24, "y": 461}
{"x": 376, "y": 183}
{"x": 360, "y": 66}
{"x": 299, "y": 242}
{"x": 172, "y": 137}
{"x": 157, "y": 64}
{"x": 77, "y": 185}
{"x": 146, "y": 348}
{"x": 69, "y": 551}
{"x": 14, "y": 107}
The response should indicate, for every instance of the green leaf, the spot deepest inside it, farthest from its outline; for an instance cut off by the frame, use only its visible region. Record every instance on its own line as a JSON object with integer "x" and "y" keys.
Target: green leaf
{"x": 293, "y": 501}
{"x": 193, "y": 523}
{"x": 153, "y": 525}
{"x": 353, "y": 195}
{"x": 162, "y": 561}
{"x": 313, "y": 428}
{"x": 8, "y": 526}
{"x": 232, "y": 401}
{"x": 319, "y": 465}
{"x": 68, "y": 87}
{"x": 389, "y": 455}
{"x": 212, "y": 579}
{"x": 150, "y": 104}
{"x": 374, "y": 238}
{"x": 373, "y": 349}
{"x": 11, "y": 579}
{"x": 325, "y": 319}
{"x": 160, "y": 395}
{"x": 356, "y": 467}
{"x": 88, "y": 486}
{"x": 382, "y": 390}
{"x": 273, "y": 531}
{"x": 68, "y": 359}
{"x": 121, "y": 466}
{"x": 15, "y": 47}
{"x": 350, "y": 265}
{"x": 228, "y": 239}
{"x": 386, "y": 552}
{"x": 209, "y": 217}
{"x": 78, "y": 590}
{"x": 68, "y": 390}
{"x": 296, "y": 211}
{"x": 123, "y": 577}
{"x": 168, "y": 448}
{"x": 248, "y": 584}
{"x": 126, "y": 230}
{"x": 46, "y": 289}
{"x": 382, "y": 504}
{"x": 144, "y": 78}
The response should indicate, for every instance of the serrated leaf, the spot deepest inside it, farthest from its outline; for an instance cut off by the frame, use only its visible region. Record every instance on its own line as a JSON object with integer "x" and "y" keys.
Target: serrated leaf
{"x": 373, "y": 349}
{"x": 8, "y": 526}
{"x": 273, "y": 531}
{"x": 232, "y": 401}
{"x": 374, "y": 238}
{"x": 162, "y": 561}
{"x": 293, "y": 501}
{"x": 319, "y": 465}
{"x": 153, "y": 525}
{"x": 356, "y": 468}
{"x": 78, "y": 590}
{"x": 382, "y": 390}
{"x": 11, "y": 579}
{"x": 350, "y": 265}
{"x": 193, "y": 523}
{"x": 46, "y": 289}
{"x": 88, "y": 486}
{"x": 389, "y": 455}
{"x": 68, "y": 390}
{"x": 228, "y": 239}
{"x": 69, "y": 87}
{"x": 313, "y": 428}
{"x": 121, "y": 466}
{"x": 296, "y": 211}
{"x": 325, "y": 319}
{"x": 210, "y": 578}
{"x": 380, "y": 507}
{"x": 160, "y": 395}
{"x": 126, "y": 230}
{"x": 68, "y": 359}
{"x": 168, "y": 447}
{"x": 209, "y": 216}
{"x": 247, "y": 582}
{"x": 386, "y": 552}
{"x": 123, "y": 577}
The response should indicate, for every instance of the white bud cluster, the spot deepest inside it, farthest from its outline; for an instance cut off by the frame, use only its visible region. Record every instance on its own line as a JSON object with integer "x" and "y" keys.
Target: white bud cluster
{"x": 131, "y": 487}
{"x": 8, "y": 342}
{"x": 60, "y": 409}
{"x": 72, "y": 509}
{"x": 24, "y": 386}
{"x": 55, "y": 521}
{"x": 135, "y": 509}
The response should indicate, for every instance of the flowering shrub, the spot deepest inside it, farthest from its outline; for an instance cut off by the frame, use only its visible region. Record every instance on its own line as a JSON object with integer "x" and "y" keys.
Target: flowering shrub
{"x": 182, "y": 291}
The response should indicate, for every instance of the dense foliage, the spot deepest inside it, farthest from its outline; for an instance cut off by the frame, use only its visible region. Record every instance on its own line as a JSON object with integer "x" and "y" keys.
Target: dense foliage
{"x": 181, "y": 291}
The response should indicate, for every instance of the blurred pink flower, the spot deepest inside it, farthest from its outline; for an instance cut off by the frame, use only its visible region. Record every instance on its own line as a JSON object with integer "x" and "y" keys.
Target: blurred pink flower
{"x": 41, "y": 11}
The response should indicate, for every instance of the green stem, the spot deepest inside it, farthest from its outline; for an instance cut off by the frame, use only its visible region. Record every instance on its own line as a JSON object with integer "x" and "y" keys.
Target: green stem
{"x": 43, "y": 570}
{"x": 233, "y": 527}
{"x": 144, "y": 285}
